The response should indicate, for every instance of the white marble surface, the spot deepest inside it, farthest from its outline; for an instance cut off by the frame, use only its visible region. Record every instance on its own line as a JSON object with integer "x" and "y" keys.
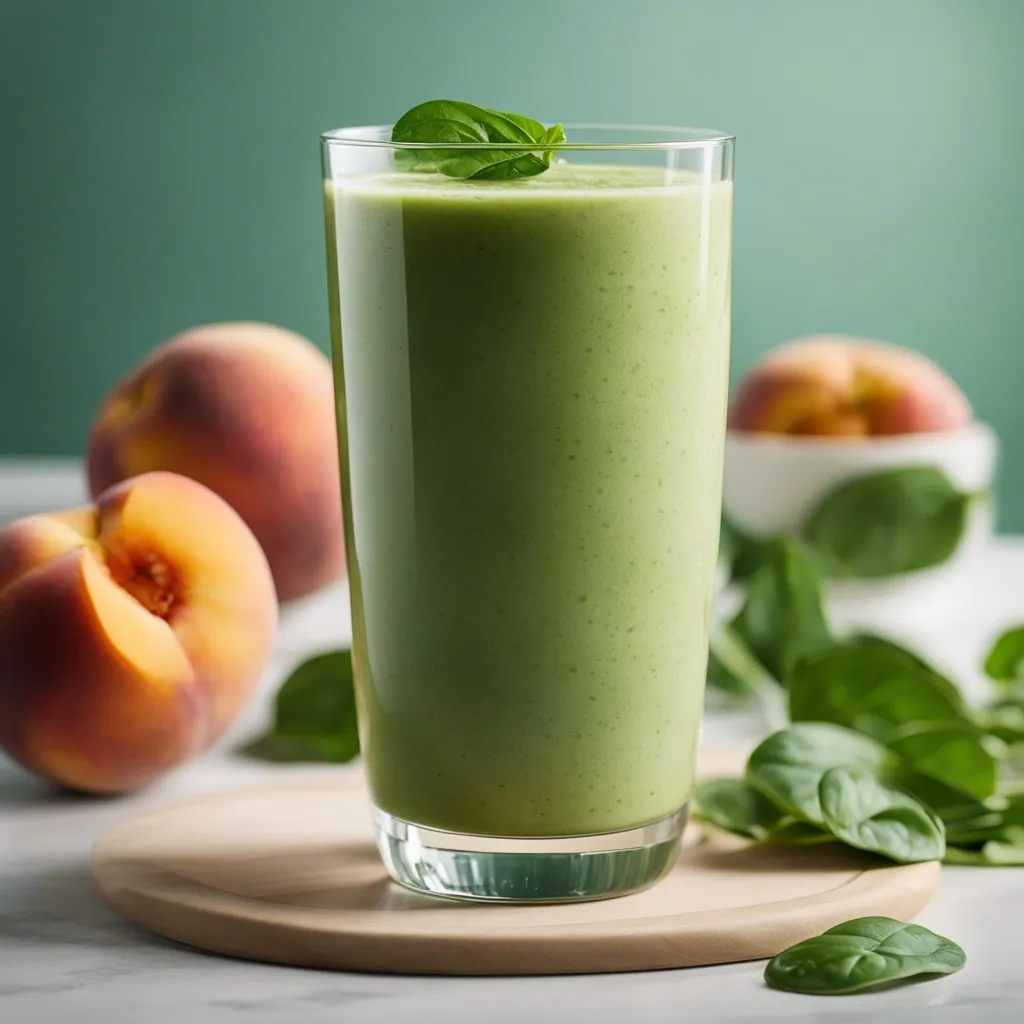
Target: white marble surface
{"x": 65, "y": 958}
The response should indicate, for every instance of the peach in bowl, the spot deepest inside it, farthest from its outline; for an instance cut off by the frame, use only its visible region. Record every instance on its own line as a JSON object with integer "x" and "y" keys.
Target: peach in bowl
{"x": 872, "y": 455}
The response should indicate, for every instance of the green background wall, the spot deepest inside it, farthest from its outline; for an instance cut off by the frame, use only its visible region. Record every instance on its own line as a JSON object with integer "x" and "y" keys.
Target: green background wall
{"x": 159, "y": 165}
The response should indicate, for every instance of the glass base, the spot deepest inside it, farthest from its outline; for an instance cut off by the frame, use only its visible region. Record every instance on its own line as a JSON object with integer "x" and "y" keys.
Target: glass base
{"x": 556, "y": 870}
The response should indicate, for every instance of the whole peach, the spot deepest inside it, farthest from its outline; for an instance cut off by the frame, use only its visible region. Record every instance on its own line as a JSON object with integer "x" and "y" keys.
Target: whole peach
{"x": 248, "y": 410}
{"x": 842, "y": 386}
{"x": 131, "y": 633}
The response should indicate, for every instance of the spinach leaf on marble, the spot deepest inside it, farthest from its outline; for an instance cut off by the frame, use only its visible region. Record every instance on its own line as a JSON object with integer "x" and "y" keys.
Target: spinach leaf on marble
{"x": 862, "y": 954}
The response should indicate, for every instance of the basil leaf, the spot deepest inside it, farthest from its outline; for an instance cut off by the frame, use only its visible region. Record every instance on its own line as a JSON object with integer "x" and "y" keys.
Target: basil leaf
{"x": 871, "y": 685}
{"x": 314, "y": 714}
{"x": 865, "y": 813}
{"x": 1005, "y": 662}
{"x": 492, "y": 165}
{"x": 789, "y": 765}
{"x": 782, "y": 616}
{"x": 894, "y": 521}
{"x": 861, "y": 954}
{"x": 952, "y": 752}
{"x": 454, "y": 121}
{"x": 732, "y": 667}
{"x": 450, "y": 121}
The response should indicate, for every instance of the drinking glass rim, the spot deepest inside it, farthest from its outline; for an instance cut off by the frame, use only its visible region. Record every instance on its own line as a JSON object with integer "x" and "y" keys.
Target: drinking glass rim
{"x": 379, "y": 136}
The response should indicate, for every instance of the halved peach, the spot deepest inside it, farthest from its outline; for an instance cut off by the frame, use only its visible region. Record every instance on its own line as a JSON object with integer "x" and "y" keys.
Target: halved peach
{"x": 131, "y": 633}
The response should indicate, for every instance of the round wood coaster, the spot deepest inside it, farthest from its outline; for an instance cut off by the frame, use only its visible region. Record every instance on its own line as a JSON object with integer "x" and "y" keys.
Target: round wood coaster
{"x": 289, "y": 873}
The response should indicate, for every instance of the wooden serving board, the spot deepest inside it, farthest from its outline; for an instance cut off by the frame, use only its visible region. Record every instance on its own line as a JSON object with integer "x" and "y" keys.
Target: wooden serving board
{"x": 289, "y": 873}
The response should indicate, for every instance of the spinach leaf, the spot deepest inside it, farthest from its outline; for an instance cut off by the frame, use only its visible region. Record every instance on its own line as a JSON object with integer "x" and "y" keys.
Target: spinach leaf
{"x": 870, "y": 685}
{"x": 960, "y": 813}
{"x": 970, "y": 857}
{"x": 736, "y": 806}
{"x": 861, "y": 954}
{"x": 865, "y": 813}
{"x": 893, "y": 521}
{"x": 1004, "y": 717}
{"x": 955, "y": 753}
{"x": 732, "y": 667}
{"x": 1001, "y": 820}
{"x": 306, "y": 749}
{"x": 782, "y": 616}
{"x": 314, "y": 714}
{"x": 1012, "y": 809}
{"x": 793, "y": 832}
{"x": 789, "y": 765}
{"x": 728, "y": 541}
{"x": 1006, "y": 850}
{"x": 450, "y": 121}
{"x": 1005, "y": 662}
{"x": 970, "y": 831}
{"x": 742, "y": 554}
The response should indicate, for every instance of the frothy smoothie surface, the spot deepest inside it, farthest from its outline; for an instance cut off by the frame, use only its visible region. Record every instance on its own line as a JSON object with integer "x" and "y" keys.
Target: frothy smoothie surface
{"x": 532, "y": 381}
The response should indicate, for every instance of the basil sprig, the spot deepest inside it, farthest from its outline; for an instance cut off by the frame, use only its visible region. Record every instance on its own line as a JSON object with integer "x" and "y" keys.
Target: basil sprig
{"x": 862, "y": 954}
{"x": 449, "y": 121}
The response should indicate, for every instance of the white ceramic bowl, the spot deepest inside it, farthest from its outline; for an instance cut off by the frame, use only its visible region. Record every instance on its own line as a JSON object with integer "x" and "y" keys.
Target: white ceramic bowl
{"x": 772, "y": 483}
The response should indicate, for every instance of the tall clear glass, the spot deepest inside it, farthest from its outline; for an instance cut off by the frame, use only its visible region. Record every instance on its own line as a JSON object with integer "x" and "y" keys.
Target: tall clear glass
{"x": 531, "y": 385}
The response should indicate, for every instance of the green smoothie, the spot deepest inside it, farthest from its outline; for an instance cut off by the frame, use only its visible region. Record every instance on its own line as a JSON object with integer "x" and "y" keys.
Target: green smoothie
{"x": 532, "y": 381}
